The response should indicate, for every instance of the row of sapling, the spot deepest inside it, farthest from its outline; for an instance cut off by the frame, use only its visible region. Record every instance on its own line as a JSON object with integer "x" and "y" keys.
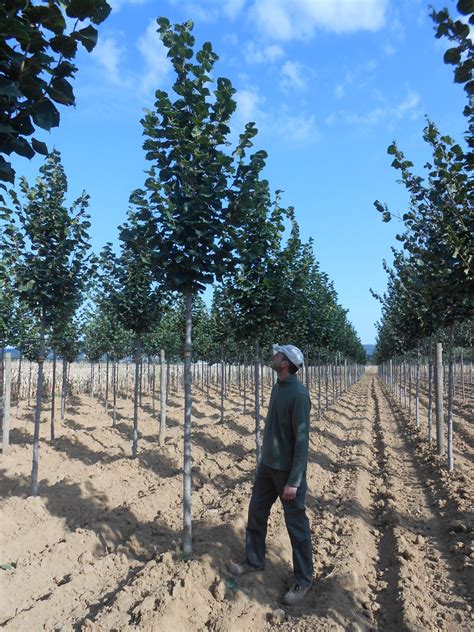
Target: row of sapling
{"x": 431, "y": 282}
{"x": 130, "y": 294}
{"x": 203, "y": 215}
{"x": 52, "y": 264}
{"x": 35, "y": 80}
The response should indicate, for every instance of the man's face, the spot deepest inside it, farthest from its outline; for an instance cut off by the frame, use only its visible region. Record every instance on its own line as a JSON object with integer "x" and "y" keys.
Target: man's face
{"x": 277, "y": 360}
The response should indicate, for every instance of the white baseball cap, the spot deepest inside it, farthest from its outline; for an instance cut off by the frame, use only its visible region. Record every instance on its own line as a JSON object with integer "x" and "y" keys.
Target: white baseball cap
{"x": 293, "y": 354}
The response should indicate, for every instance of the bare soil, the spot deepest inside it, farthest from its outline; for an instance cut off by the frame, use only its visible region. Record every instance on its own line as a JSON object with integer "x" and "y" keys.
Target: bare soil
{"x": 99, "y": 548}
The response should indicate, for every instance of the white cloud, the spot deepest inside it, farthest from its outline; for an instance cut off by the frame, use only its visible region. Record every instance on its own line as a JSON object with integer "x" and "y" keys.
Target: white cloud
{"x": 292, "y": 76}
{"x": 298, "y": 19}
{"x": 249, "y": 104}
{"x": 296, "y": 128}
{"x": 279, "y": 123}
{"x": 118, "y": 4}
{"x": 157, "y": 65}
{"x": 262, "y": 54}
{"x": 389, "y": 50}
{"x": 407, "y": 108}
{"x": 209, "y": 10}
{"x": 108, "y": 54}
{"x": 339, "y": 91}
{"x": 232, "y": 8}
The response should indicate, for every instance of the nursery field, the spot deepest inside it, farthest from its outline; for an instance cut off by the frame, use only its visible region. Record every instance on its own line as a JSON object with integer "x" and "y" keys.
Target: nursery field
{"x": 99, "y": 547}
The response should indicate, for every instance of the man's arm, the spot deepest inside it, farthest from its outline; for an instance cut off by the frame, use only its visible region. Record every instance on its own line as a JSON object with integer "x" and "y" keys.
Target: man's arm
{"x": 300, "y": 424}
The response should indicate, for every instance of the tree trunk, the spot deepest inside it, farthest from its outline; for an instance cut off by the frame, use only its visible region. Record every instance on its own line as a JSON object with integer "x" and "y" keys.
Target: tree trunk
{"x": 64, "y": 389}
{"x": 326, "y": 385}
{"x": 39, "y": 394}
{"x": 439, "y": 399}
{"x": 99, "y": 384}
{"x": 319, "y": 386}
{"x": 18, "y": 390}
{"x": 430, "y": 392}
{"x": 245, "y": 388}
{"x": 163, "y": 391}
{"x": 53, "y": 397}
{"x": 223, "y": 381}
{"x": 450, "y": 399}
{"x": 140, "y": 381}
{"x": 188, "y": 354}
{"x": 409, "y": 389}
{"x": 138, "y": 352}
{"x": 6, "y": 380}
{"x": 126, "y": 380}
{"x": 29, "y": 385}
{"x": 153, "y": 383}
{"x": 107, "y": 359}
{"x": 92, "y": 381}
{"x": 257, "y": 402}
{"x": 2, "y": 378}
{"x": 114, "y": 387}
{"x": 417, "y": 388}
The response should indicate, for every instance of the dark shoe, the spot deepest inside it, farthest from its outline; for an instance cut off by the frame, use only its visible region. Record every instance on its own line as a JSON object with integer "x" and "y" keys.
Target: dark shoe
{"x": 243, "y": 568}
{"x": 295, "y": 594}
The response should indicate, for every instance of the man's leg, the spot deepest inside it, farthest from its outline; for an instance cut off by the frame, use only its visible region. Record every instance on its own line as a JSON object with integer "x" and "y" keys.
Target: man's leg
{"x": 264, "y": 494}
{"x": 300, "y": 536}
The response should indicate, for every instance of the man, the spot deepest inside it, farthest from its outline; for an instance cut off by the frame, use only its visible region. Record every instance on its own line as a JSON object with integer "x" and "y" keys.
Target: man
{"x": 282, "y": 473}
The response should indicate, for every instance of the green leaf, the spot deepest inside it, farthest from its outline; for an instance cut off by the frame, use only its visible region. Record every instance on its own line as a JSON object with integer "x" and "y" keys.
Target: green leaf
{"x": 7, "y": 174}
{"x": 465, "y": 6}
{"x": 87, "y": 37}
{"x": 9, "y": 89}
{"x": 452, "y": 56}
{"x": 392, "y": 149}
{"x": 45, "y": 114}
{"x": 469, "y": 87}
{"x": 60, "y": 91}
{"x": 81, "y": 9}
{"x": 39, "y": 147}
{"x": 23, "y": 148}
{"x": 463, "y": 73}
{"x": 6, "y": 567}
{"x": 65, "y": 45}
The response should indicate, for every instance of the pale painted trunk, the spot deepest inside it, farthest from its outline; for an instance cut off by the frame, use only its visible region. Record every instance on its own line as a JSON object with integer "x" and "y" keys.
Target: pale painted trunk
{"x": 187, "y": 482}
{"x": 53, "y": 398}
{"x": 163, "y": 376}
{"x": 39, "y": 394}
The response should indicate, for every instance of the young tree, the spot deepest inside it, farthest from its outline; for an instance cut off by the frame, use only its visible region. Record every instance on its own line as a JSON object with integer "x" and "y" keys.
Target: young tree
{"x": 186, "y": 194}
{"x": 52, "y": 265}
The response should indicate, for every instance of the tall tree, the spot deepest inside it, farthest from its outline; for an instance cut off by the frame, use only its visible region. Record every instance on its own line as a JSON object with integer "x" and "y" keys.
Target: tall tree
{"x": 187, "y": 190}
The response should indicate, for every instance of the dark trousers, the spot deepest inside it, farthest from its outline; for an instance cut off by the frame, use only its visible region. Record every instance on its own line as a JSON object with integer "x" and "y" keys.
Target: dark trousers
{"x": 268, "y": 486}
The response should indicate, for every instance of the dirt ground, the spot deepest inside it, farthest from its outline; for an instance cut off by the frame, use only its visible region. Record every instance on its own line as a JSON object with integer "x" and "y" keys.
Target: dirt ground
{"x": 99, "y": 548}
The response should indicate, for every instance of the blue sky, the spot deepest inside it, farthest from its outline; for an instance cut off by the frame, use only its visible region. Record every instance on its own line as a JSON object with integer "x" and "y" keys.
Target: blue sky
{"x": 329, "y": 83}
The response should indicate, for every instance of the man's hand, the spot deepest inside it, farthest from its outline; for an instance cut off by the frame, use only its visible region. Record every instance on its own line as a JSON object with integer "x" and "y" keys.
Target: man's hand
{"x": 289, "y": 492}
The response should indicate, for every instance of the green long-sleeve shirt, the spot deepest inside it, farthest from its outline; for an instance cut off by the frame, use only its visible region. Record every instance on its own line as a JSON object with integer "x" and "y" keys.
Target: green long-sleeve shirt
{"x": 286, "y": 434}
